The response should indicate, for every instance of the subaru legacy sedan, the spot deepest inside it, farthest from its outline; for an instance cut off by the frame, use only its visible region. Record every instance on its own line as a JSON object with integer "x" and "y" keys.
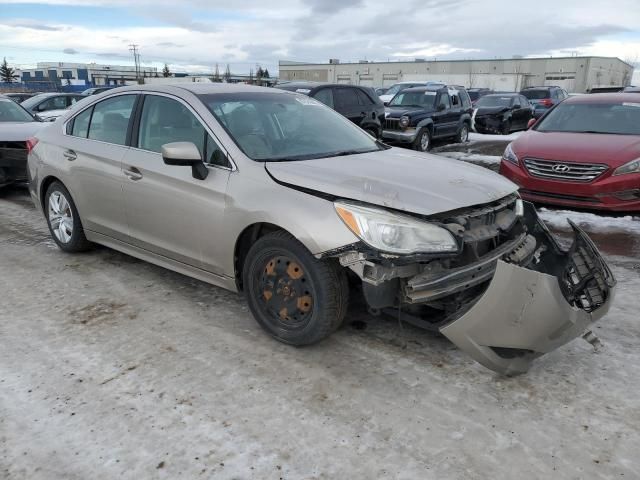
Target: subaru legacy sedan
{"x": 276, "y": 195}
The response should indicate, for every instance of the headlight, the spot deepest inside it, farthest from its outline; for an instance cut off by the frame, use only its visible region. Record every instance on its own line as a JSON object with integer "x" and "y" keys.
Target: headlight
{"x": 631, "y": 167}
{"x": 404, "y": 121}
{"x": 509, "y": 156}
{"x": 395, "y": 233}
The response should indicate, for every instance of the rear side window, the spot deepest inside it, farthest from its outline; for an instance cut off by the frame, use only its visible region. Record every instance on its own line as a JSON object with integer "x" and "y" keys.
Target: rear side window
{"x": 53, "y": 103}
{"x": 81, "y": 124}
{"x": 110, "y": 120}
{"x": 346, "y": 97}
{"x": 364, "y": 98}
{"x": 325, "y": 96}
{"x": 466, "y": 101}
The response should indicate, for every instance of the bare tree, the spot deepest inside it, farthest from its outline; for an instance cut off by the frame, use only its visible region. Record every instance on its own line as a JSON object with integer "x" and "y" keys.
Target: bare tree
{"x": 473, "y": 75}
{"x": 227, "y": 74}
{"x": 216, "y": 74}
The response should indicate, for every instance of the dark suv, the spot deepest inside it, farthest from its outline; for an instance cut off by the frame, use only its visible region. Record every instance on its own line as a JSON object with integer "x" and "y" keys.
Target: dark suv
{"x": 418, "y": 115}
{"x": 359, "y": 104}
{"x": 543, "y": 98}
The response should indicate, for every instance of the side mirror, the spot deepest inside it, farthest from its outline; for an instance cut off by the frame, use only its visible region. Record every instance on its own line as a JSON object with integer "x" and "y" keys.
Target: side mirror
{"x": 185, "y": 154}
{"x": 440, "y": 107}
{"x": 531, "y": 123}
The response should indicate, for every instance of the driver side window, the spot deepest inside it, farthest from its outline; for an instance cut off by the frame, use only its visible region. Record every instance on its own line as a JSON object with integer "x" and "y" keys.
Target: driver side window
{"x": 444, "y": 100}
{"x": 165, "y": 120}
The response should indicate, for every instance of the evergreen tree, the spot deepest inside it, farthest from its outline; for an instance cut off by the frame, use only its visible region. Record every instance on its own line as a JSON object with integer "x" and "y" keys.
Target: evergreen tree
{"x": 165, "y": 71}
{"x": 265, "y": 74}
{"x": 7, "y": 74}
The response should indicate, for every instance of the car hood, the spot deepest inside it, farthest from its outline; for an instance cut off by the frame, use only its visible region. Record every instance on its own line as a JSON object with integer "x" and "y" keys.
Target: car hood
{"x": 397, "y": 178}
{"x": 18, "y": 131}
{"x": 397, "y": 112}
{"x": 491, "y": 110}
{"x": 613, "y": 150}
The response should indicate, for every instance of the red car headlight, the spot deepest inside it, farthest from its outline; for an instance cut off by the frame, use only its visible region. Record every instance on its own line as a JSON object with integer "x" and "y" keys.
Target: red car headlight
{"x": 630, "y": 167}
{"x": 509, "y": 156}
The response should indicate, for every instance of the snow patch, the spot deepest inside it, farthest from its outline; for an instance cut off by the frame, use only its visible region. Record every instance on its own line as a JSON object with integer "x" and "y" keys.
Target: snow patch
{"x": 481, "y": 137}
{"x": 590, "y": 221}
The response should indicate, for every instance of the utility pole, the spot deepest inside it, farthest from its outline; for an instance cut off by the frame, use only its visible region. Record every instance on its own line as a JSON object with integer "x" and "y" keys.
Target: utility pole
{"x": 136, "y": 59}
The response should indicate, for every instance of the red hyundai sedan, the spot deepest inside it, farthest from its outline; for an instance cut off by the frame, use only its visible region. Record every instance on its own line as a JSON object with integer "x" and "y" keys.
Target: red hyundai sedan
{"x": 584, "y": 153}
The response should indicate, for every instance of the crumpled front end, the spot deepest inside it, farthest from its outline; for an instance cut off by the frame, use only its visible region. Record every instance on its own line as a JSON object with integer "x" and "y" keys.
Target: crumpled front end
{"x": 512, "y": 295}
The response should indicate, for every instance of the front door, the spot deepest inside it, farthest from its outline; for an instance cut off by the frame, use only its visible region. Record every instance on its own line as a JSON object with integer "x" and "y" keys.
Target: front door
{"x": 169, "y": 212}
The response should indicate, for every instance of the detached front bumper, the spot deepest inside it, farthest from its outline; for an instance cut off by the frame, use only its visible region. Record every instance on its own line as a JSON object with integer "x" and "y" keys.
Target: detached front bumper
{"x": 525, "y": 313}
{"x": 512, "y": 306}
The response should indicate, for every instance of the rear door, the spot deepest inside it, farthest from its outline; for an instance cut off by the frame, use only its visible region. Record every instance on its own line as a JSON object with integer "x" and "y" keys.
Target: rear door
{"x": 170, "y": 213}
{"x": 347, "y": 103}
{"x": 93, "y": 149}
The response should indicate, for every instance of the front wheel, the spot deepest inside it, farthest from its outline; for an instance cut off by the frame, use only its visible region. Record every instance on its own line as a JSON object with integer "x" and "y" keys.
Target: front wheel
{"x": 295, "y": 297}
{"x": 422, "y": 143}
{"x": 506, "y": 127}
{"x": 63, "y": 219}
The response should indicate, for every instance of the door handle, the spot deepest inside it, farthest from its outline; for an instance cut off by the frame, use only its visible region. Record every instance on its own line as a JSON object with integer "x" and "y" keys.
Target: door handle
{"x": 133, "y": 173}
{"x": 70, "y": 155}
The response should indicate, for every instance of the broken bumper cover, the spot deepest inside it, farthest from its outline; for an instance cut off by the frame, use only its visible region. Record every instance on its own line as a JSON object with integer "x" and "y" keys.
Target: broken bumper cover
{"x": 525, "y": 313}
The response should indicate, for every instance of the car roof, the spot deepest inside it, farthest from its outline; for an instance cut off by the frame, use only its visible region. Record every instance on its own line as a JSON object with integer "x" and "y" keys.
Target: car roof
{"x": 506, "y": 94}
{"x": 425, "y": 88}
{"x": 622, "y": 97}
{"x": 197, "y": 88}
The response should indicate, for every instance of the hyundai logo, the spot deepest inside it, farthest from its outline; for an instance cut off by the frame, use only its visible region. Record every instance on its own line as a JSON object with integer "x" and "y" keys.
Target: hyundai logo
{"x": 561, "y": 168}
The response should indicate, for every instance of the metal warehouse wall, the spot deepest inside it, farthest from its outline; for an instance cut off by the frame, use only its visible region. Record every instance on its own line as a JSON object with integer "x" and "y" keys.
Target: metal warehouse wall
{"x": 575, "y": 74}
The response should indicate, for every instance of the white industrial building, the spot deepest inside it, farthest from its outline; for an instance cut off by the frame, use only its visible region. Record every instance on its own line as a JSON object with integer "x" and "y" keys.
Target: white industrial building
{"x": 83, "y": 73}
{"x": 574, "y": 74}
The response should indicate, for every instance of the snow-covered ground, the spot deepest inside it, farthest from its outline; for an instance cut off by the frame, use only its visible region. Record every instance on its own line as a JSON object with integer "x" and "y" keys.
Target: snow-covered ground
{"x": 471, "y": 157}
{"x": 591, "y": 221}
{"x": 481, "y": 137}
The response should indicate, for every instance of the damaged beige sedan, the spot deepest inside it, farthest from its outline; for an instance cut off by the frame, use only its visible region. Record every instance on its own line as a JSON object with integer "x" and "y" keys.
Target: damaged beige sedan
{"x": 273, "y": 194}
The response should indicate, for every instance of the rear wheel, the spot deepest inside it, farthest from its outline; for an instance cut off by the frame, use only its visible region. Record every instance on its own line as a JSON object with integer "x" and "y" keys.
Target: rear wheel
{"x": 422, "y": 143}
{"x": 63, "y": 219}
{"x": 296, "y": 298}
{"x": 463, "y": 133}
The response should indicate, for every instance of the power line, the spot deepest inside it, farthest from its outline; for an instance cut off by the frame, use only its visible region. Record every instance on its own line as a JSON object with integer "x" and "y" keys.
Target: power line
{"x": 136, "y": 59}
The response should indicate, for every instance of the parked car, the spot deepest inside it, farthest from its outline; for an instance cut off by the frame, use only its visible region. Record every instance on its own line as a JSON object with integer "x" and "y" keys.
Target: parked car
{"x": 381, "y": 90}
{"x": 274, "y": 194}
{"x": 17, "y": 97}
{"x": 359, "y": 104}
{"x": 95, "y": 90}
{"x": 584, "y": 153}
{"x": 418, "y": 115}
{"x": 400, "y": 86}
{"x": 502, "y": 113}
{"x": 17, "y": 126}
{"x": 476, "y": 93}
{"x": 50, "y": 101}
{"x": 543, "y": 98}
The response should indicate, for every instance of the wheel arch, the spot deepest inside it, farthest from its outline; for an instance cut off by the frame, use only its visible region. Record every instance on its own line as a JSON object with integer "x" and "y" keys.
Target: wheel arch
{"x": 44, "y": 186}
{"x": 243, "y": 243}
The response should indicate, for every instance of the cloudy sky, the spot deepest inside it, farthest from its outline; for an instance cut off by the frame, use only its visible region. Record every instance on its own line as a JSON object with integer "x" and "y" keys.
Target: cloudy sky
{"x": 192, "y": 35}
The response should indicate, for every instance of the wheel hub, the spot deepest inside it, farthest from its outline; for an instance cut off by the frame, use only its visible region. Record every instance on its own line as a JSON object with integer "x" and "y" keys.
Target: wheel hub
{"x": 286, "y": 293}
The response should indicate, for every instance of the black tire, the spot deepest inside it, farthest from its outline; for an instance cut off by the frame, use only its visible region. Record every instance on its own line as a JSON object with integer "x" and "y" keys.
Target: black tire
{"x": 419, "y": 142}
{"x": 77, "y": 242}
{"x": 295, "y": 297}
{"x": 506, "y": 127}
{"x": 372, "y": 132}
{"x": 463, "y": 133}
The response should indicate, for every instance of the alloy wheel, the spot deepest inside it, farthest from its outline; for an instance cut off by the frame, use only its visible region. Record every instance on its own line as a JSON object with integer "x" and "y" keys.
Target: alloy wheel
{"x": 424, "y": 142}
{"x": 60, "y": 217}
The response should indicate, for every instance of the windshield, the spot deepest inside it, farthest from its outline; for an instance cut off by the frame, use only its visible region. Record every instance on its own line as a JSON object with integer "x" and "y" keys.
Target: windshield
{"x": 10, "y": 111}
{"x": 414, "y": 99}
{"x": 490, "y": 101}
{"x": 615, "y": 118}
{"x": 536, "y": 94}
{"x": 282, "y": 126}
{"x": 397, "y": 88}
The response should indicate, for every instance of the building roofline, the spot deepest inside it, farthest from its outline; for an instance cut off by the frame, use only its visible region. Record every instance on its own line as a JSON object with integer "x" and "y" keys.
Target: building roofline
{"x": 289, "y": 63}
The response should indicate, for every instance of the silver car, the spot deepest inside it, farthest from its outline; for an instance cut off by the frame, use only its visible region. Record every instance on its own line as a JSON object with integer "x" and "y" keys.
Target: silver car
{"x": 273, "y": 194}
